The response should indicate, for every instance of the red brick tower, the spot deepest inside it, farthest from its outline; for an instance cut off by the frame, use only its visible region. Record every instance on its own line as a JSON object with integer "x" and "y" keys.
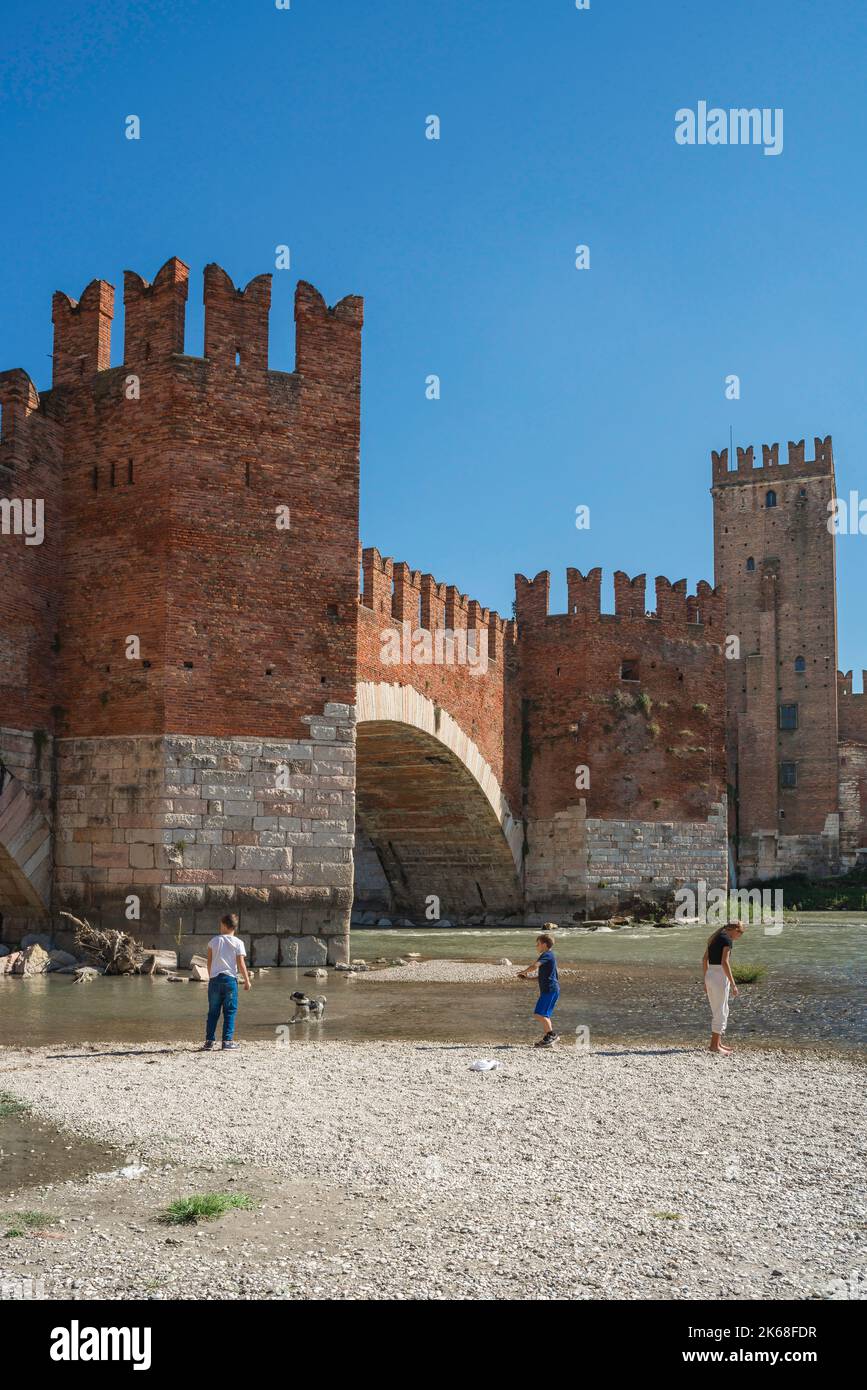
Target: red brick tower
{"x": 774, "y": 556}
{"x": 200, "y": 560}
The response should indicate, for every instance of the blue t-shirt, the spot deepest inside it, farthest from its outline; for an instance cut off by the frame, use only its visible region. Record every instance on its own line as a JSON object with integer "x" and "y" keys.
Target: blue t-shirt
{"x": 549, "y": 980}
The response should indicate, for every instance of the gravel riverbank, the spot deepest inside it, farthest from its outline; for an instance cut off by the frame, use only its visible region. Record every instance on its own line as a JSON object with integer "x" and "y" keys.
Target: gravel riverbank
{"x": 447, "y": 972}
{"x": 390, "y": 1170}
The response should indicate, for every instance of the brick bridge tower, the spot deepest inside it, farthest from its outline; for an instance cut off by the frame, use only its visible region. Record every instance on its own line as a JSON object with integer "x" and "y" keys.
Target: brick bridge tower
{"x": 774, "y": 556}
{"x": 178, "y": 658}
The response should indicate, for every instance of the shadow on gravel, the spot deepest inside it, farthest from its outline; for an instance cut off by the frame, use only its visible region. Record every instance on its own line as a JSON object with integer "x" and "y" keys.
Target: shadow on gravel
{"x": 644, "y": 1051}
{"x": 594, "y": 1051}
{"x": 120, "y": 1052}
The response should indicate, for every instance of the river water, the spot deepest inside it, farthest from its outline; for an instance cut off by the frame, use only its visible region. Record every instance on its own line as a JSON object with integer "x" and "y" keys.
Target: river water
{"x": 632, "y": 985}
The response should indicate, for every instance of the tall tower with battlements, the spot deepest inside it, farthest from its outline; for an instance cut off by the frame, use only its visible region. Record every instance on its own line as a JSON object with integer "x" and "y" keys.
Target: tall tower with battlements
{"x": 774, "y": 557}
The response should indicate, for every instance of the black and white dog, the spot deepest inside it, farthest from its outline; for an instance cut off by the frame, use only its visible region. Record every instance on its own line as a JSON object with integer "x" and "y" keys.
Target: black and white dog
{"x": 307, "y": 1008}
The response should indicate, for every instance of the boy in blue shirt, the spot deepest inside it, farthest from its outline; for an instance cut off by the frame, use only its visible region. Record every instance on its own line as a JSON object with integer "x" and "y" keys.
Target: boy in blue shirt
{"x": 549, "y": 987}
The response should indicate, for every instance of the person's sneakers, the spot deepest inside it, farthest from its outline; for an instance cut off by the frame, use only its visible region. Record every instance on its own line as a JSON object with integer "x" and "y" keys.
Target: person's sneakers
{"x": 543, "y": 1041}
{"x": 207, "y": 1047}
{"x": 231, "y": 1046}
{"x": 548, "y": 1040}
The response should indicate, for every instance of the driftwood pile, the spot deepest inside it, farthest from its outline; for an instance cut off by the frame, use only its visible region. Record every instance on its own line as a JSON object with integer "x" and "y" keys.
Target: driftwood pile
{"x": 113, "y": 952}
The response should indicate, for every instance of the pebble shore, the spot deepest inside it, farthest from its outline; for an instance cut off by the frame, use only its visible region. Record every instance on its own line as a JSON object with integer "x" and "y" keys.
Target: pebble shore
{"x": 393, "y": 1171}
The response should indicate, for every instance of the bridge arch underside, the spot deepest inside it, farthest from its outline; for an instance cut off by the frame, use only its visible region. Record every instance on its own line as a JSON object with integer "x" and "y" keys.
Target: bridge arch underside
{"x": 25, "y": 855}
{"x": 426, "y": 829}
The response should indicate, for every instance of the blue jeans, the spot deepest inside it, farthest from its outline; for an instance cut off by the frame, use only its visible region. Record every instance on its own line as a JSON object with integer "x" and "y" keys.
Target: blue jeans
{"x": 222, "y": 996}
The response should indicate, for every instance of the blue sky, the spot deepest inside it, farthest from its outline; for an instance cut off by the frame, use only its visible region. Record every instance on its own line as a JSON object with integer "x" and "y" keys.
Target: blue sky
{"x": 603, "y": 387}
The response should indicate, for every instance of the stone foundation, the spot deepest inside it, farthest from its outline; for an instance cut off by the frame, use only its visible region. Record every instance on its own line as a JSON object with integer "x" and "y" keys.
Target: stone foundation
{"x": 578, "y": 867}
{"x": 763, "y": 857}
{"x": 161, "y": 835}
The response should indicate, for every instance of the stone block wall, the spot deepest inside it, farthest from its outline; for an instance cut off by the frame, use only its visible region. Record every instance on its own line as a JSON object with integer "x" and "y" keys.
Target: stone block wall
{"x": 163, "y": 834}
{"x": 578, "y": 866}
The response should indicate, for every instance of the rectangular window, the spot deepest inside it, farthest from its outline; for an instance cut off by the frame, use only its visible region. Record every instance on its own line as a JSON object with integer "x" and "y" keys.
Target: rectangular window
{"x": 629, "y": 670}
{"x": 788, "y": 774}
{"x": 788, "y": 716}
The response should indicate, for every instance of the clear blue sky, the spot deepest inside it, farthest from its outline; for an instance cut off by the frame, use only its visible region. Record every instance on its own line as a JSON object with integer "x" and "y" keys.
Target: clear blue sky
{"x": 559, "y": 387}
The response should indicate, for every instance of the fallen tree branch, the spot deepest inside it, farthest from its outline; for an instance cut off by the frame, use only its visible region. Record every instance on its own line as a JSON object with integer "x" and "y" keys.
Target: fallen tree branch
{"x": 116, "y": 952}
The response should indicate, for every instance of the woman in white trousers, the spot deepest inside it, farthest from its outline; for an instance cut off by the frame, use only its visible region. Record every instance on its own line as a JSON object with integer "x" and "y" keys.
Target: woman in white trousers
{"x": 719, "y": 981}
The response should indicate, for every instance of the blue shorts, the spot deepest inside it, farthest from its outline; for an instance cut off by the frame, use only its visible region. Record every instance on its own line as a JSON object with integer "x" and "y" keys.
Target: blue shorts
{"x": 547, "y": 1003}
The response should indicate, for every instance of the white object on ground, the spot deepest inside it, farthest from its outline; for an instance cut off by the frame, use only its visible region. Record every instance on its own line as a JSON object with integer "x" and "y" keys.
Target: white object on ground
{"x": 483, "y": 1064}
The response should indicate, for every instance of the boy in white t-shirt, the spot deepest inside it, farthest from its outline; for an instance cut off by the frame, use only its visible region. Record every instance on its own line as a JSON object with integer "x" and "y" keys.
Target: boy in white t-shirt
{"x": 226, "y": 954}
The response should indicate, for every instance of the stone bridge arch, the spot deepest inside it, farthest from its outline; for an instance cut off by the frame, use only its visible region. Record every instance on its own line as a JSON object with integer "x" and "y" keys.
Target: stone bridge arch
{"x": 431, "y": 817}
{"x": 25, "y": 851}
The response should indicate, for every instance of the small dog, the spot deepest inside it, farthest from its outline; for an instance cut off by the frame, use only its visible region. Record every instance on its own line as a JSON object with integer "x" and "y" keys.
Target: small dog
{"x": 307, "y": 1008}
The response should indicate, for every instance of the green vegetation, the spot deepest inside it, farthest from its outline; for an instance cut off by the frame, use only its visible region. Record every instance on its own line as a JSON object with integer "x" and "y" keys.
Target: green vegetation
{"x": 24, "y": 1221}
{"x": 10, "y": 1105}
{"x": 668, "y": 1215}
{"x": 206, "y": 1206}
{"x": 848, "y": 893}
{"x": 700, "y": 707}
{"x": 746, "y": 974}
{"x": 644, "y": 703}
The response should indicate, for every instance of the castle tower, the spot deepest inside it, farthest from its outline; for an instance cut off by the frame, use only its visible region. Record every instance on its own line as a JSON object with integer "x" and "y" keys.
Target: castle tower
{"x": 178, "y": 651}
{"x": 774, "y": 557}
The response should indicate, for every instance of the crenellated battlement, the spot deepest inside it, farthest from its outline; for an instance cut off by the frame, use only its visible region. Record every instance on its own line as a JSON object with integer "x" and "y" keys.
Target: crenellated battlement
{"x": 82, "y": 333}
{"x": 397, "y": 594}
{"x": 236, "y": 326}
{"x": 674, "y": 606}
{"x": 747, "y": 467}
{"x": 845, "y": 682}
{"x": 236, "y": 320}
{"x": 155, "y": 314}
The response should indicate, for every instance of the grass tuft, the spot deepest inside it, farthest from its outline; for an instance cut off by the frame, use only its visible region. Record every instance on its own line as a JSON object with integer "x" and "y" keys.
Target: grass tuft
{"x": 10, "y": 1105}
{"x": 746, "y": 974}
{"x": 205, "y": 1206}
{"x": 24, "y": 1221}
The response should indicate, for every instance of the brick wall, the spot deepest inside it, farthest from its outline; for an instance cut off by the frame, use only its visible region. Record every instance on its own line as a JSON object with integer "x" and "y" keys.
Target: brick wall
{"x": 776, "y": 565}
{"x": 204, "y": 585}
{"x": 636, "y": 701}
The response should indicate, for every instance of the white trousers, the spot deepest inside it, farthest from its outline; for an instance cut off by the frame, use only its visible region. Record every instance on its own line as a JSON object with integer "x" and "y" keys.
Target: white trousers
{"x": 718, "y": 997}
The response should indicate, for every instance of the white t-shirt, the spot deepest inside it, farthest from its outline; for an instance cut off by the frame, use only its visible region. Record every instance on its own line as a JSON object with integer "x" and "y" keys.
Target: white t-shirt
{"x": 225, "y": 950}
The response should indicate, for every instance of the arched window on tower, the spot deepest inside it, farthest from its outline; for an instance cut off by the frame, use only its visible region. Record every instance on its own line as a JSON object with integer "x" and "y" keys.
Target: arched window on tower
{"x": 770, "y": 498}
{"x": 800, "y": 664}
{"x": 751, "y": 564}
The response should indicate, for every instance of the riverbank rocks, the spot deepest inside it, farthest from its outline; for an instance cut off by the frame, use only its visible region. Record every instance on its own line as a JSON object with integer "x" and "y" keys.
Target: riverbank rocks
{"x": 8, "y": 962}
{"x": 199, "y": 972}
{"x": 316, "y": 974}
{"x": 33, "y": 960}
{"x": 59, "y": 960}
{"x": 37, "y": 938}
{"x": 159, "y": 962}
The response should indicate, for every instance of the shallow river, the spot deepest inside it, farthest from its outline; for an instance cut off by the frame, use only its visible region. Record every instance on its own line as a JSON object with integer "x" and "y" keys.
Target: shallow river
{"x": 632, "y": 985}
